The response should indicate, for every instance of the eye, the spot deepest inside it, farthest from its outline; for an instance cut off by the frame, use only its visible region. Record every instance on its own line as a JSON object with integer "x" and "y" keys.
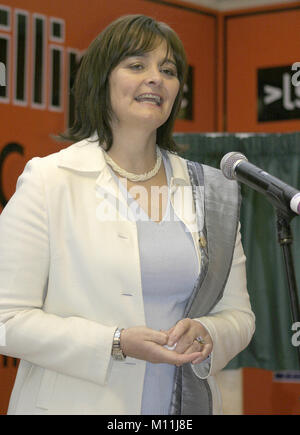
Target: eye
{"x": 136, "y": 66}
{"x": 169, "y": 71}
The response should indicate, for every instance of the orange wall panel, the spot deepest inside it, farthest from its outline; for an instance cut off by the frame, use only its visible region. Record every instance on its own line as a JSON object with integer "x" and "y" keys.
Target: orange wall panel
{"x": 8, "y": 371}
{"x": 257, "y": 40}
{"x": 263, "y": 395}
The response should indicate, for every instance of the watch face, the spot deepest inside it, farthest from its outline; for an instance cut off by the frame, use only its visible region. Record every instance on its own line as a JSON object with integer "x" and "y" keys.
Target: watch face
{"x": 116, "y": 349}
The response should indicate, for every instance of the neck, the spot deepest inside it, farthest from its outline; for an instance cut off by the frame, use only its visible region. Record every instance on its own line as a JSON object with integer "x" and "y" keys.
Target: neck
{"x": 134, "y": 151}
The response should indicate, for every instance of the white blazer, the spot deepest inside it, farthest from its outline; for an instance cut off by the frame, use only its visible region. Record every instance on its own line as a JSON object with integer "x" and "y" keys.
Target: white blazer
{"x": 64, "y": 276}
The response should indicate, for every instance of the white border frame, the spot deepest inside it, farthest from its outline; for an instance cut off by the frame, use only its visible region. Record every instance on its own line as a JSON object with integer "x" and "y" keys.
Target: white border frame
{"x": 43, "y": 105}
{"x": 8, "y": 27}
{"x": 24, "y": 102}
{"x": 7, "y": 67}
{"x": 60, "y": 48}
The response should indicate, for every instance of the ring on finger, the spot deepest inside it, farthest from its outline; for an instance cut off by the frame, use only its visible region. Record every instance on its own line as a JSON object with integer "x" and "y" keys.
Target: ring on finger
{"x": 200, "y": 340}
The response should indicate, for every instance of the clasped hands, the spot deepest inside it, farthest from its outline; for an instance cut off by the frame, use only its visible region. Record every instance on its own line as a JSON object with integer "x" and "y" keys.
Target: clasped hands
{"x": 149, "y": 345}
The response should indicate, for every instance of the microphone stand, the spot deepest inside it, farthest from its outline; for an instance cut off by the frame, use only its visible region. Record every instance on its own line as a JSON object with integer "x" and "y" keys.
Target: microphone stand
{"x": 285, "y": 239}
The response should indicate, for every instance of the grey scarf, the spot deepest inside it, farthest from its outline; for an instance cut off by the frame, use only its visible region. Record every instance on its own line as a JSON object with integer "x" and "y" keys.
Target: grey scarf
{"x": 217, "y": 203}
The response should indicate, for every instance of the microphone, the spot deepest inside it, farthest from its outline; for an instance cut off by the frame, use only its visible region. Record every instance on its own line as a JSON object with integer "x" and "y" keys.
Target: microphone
{"x": 235, "y": 165}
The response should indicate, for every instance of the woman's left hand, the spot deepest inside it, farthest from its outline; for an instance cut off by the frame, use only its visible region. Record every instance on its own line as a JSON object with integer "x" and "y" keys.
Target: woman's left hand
{"x": 184, "y": 335}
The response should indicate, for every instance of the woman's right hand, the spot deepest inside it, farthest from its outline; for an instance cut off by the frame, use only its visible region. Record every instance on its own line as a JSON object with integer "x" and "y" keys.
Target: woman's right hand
{"x": 148, "y": 344}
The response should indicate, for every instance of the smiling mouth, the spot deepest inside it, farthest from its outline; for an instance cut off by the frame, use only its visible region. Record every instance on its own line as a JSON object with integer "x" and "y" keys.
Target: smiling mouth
{"x": 150, "y": 98}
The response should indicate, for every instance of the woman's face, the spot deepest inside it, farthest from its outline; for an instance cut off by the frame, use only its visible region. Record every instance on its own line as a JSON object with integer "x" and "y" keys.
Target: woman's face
{"x": 143, "y": 89}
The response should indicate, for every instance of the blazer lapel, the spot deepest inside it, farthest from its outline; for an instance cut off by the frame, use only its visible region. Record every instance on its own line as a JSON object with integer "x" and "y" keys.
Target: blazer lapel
{"x": 87, "y": 156}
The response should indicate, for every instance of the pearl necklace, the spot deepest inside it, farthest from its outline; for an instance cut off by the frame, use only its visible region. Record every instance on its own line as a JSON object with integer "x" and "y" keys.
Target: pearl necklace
{"x": 136, "y": 177}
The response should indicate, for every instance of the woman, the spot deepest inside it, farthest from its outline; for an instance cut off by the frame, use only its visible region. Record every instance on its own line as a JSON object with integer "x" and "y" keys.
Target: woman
{"x": 102, "y": 270}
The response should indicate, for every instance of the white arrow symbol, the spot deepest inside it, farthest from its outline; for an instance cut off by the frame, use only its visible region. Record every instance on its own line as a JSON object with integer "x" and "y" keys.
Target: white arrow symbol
{"x": 273, "y": 94}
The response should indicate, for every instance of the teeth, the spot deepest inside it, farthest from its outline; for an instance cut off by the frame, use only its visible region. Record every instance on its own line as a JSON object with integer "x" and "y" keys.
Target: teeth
{"x": 149, "y": 97}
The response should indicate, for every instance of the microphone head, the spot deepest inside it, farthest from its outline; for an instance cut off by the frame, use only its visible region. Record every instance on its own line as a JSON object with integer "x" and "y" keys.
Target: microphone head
{"x": 229, "y": 162}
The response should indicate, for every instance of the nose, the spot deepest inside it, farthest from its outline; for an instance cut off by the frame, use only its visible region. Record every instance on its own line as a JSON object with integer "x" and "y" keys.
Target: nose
{"x": 154, "y": 76}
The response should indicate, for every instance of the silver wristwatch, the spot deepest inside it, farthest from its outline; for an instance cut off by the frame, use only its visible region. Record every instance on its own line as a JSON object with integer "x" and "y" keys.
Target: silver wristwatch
{"x": 116, "y": 351}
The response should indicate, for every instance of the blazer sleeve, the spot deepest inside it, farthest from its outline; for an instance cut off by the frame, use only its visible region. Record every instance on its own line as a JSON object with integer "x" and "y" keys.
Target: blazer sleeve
{"x": 72, "y": 346}
{"x": 231, "y": 323}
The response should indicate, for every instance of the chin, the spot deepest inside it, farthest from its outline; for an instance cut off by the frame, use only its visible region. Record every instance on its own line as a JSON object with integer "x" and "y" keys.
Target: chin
{"x": 152, "y": 118}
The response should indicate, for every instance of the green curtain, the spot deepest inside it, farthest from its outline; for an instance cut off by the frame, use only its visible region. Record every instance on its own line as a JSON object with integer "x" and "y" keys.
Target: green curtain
{"x": 279, "y": 154}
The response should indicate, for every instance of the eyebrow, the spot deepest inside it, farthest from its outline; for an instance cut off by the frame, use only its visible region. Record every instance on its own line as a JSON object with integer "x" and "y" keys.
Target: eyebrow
{"x": 165, "y": 60}
{"x": 170, "y": 61}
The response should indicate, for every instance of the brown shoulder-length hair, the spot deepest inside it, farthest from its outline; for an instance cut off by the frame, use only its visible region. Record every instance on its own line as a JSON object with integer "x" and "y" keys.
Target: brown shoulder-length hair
{"x": 129, "y": 35}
